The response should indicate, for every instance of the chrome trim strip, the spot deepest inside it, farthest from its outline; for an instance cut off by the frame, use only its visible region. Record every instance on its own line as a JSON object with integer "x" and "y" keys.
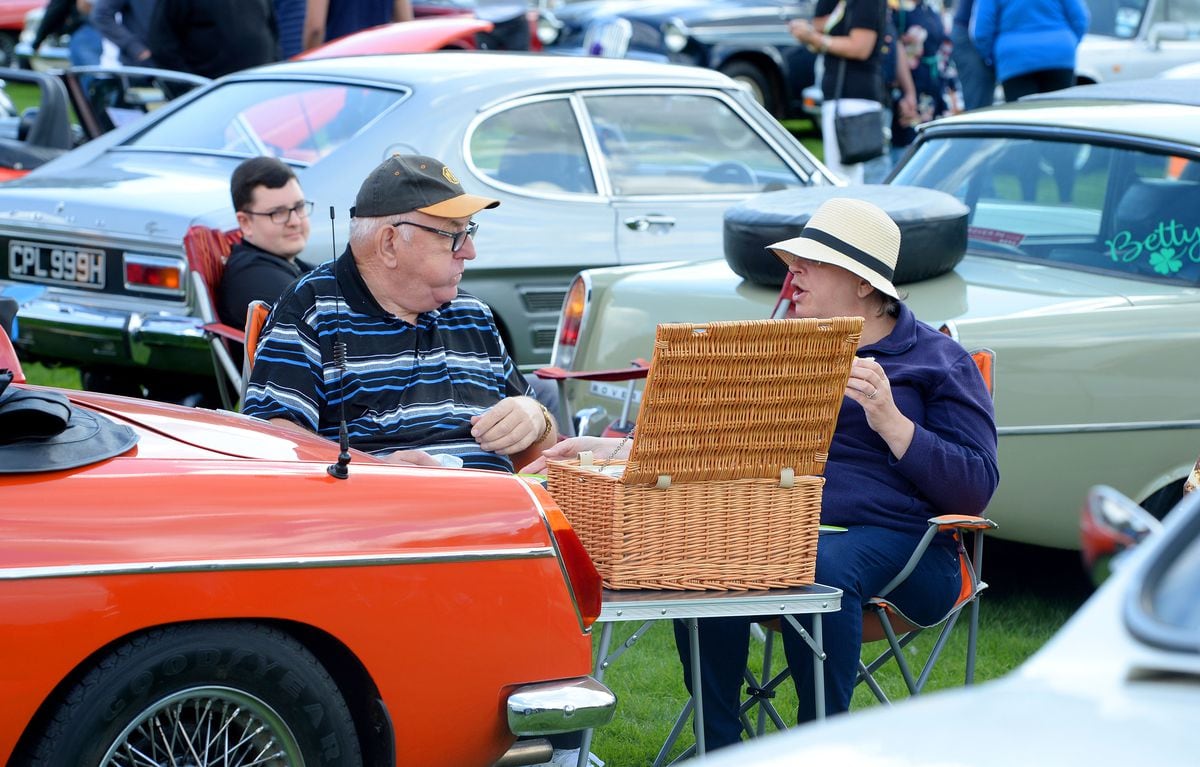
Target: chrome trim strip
{"x": 268, "y": 563}
{"x": 1091, "y": 428}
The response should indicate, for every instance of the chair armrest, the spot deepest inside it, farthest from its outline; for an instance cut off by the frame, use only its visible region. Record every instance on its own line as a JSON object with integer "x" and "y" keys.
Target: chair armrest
{"x": 639, "y": 369}
{"x": 226, "y": 331}
{"x": 962, "y": 522}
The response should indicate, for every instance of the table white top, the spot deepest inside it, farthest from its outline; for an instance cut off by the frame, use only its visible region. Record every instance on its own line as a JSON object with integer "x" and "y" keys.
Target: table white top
{"x": 662, "y": 604}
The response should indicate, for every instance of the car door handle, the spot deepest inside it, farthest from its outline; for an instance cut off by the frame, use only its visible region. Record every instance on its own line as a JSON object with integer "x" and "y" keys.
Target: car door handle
{"x": 642, "y": 223}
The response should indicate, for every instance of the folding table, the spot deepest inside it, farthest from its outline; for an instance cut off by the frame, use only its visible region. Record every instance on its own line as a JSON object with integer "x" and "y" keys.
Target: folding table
{"x": 650, "y": 606}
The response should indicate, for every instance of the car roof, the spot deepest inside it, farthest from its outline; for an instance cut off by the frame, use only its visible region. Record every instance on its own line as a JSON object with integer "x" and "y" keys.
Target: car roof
{"x": 1161, "y": 109}
{"x": 452, "y": 70}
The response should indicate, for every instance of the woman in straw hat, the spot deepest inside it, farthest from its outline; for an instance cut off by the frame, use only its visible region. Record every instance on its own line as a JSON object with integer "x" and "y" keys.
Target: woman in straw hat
{"x": 915, "y": 438}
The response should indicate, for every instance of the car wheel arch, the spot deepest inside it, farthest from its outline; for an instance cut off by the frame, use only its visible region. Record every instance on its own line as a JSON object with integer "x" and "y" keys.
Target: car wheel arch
{"x": 1165, "y": 492}
{"x": 758, "y": 66}
{"x": 372, "y": 721}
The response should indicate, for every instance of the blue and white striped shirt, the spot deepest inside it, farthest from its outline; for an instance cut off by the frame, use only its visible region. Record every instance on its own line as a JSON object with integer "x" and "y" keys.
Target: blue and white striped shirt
{"x": 404, "y": 386}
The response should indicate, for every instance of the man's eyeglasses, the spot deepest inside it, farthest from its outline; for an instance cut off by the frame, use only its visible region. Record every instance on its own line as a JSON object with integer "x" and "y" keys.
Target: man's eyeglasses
{"x": 456, "y": 238}
{"x": 283, "y": 215}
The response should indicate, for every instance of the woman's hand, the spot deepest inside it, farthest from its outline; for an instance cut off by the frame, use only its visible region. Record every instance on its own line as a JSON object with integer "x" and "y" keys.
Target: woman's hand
{"x": 605, "y": 448}
{"x": 869, "y": 386}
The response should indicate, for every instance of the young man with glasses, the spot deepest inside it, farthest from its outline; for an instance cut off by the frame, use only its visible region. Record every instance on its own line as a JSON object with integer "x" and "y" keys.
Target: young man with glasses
{"x": 273, "y": 216}
{"x": 423, "y": 377}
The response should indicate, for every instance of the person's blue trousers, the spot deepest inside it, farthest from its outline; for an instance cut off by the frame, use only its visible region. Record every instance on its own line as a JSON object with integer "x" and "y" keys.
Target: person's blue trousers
{"x": 860, "y": 562}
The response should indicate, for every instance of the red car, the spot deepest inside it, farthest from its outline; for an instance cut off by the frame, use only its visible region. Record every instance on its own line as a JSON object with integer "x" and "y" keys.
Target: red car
{"x": 12, "y": 21}
{"x": 176, "y": 581}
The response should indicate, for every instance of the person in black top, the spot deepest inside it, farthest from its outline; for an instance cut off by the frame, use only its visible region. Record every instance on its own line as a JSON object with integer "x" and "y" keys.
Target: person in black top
{"x": 848, "y": 34}
{"x": 273, "y": 217}
{"x": 213, "y": 37}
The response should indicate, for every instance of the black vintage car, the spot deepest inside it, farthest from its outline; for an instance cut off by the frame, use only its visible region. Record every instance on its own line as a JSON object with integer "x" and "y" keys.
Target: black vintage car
{"x": 745, "y": 39}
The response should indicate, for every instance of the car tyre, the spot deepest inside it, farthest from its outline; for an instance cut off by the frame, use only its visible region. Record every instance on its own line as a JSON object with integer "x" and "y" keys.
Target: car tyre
{"x": 933, "y": 229}
{"x": 758, "y": 81}
{"x": 261, "y": 684}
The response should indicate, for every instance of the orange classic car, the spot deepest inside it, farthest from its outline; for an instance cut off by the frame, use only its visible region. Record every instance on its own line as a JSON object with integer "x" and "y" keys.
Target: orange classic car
{"x": 182, "y": 586}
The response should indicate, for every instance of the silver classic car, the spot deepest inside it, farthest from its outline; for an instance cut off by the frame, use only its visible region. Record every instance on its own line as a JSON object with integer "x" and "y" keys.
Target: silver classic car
{"x": 597, "y": 162}
{"x": 1081, "y": 273}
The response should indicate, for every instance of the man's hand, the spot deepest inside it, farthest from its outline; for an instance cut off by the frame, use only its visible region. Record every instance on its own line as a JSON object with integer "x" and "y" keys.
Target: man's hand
{"x": 510, "y": 426}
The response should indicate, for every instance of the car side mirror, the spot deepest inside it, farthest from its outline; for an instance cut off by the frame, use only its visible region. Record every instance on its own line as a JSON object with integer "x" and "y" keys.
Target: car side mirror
{"x": 1166, "y": 31}
{"x": 1111, "y": 524}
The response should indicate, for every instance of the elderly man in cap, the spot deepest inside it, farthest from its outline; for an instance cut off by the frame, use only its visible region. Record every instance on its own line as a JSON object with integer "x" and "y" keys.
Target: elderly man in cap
{"x": 424, "y": 377}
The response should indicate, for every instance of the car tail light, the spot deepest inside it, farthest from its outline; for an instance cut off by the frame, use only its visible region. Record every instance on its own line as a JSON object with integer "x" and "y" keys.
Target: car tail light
{"x": 581, "y": 573}
{"x": 153, "y": 273}
{"x": 570, "y": 323}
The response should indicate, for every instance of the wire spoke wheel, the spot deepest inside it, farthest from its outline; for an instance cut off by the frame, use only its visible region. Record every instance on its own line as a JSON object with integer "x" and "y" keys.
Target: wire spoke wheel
{"x": 206, "y": 727}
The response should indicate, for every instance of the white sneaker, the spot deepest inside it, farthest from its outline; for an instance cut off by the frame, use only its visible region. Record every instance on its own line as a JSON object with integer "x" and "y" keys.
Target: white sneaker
{"x": 569, "y": 757}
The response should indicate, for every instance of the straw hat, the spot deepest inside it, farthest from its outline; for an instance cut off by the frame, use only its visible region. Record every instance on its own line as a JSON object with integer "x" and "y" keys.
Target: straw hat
{"x": 853, "y": 234}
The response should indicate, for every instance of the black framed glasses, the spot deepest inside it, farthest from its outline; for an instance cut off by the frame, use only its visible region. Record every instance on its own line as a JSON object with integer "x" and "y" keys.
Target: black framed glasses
{"x": 283, "y": 215}
{"x": 456, "y": 238}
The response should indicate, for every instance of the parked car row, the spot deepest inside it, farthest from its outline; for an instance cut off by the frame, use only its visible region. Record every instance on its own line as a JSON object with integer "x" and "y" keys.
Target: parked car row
{"x": 596, "y": 162}
{"x": 745, "y": 39}
{"x": 1081, "y": 273}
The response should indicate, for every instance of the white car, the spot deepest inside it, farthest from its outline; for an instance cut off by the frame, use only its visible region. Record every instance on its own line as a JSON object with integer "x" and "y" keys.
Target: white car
{"x": 1118, "y": 685}
{"x": 1129, "y": 40}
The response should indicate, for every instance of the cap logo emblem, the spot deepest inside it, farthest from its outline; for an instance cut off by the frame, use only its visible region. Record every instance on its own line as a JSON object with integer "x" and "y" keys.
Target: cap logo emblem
{"x": 449, "y": 175}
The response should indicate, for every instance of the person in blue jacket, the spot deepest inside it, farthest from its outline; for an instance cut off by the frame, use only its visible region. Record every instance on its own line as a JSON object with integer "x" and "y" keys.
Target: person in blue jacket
{"x": 915, "y": 438}
{"x": 1032, "y": 43}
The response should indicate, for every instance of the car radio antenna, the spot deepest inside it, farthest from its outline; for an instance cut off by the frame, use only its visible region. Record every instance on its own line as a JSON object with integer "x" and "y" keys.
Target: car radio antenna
{"x": 341, "y": 469}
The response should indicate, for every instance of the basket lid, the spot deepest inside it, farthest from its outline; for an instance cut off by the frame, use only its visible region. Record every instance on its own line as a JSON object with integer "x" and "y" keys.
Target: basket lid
{"x": 744, "y": 399}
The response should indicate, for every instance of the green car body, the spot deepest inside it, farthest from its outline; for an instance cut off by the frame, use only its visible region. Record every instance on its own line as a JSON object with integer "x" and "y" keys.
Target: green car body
{"x": 1090, "y": 299}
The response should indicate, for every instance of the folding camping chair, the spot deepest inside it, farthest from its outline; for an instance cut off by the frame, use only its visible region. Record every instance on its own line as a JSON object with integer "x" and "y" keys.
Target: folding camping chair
{"x": 206, "y": 250}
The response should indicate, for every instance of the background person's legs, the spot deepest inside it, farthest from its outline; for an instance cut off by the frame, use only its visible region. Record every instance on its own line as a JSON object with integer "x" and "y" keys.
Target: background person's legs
{"x": 977, "y": 79}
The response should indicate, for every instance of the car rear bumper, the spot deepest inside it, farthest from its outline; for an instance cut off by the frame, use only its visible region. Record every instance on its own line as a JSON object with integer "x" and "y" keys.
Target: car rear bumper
{"x": 80, "y": 334}
{"x": 566, "y": 705}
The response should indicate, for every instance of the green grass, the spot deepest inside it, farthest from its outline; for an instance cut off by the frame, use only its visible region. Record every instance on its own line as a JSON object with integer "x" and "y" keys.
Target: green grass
{"x": 62, "y": 376}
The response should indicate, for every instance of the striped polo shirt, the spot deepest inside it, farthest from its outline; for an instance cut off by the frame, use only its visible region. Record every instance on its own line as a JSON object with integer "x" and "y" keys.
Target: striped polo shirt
{"x": 404, "y": 386}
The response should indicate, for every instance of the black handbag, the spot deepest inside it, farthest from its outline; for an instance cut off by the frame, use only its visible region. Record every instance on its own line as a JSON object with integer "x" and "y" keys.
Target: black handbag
{"x": 859, "y": 136}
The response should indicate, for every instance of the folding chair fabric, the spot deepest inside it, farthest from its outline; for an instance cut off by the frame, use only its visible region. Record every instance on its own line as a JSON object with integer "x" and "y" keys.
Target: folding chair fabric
{"x": 206, "y": 250}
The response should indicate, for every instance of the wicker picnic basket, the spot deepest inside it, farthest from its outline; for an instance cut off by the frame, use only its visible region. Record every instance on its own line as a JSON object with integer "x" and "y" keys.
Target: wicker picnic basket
{"x": 722, "y": 488}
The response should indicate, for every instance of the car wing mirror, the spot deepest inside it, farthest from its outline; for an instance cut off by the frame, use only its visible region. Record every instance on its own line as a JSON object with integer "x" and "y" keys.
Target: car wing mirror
{"x": 1166, "y": 31}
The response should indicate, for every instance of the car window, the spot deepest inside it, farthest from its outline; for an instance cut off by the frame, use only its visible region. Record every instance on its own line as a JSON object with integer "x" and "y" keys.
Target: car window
{"x": 682, "y": 144}
{"x": 295, "y": 121}
{"x": 1186, "y": 12}
{"x": 535, "y": 146}
{"x": 1100, "y": 208}
{"x": 1116, "y": 18}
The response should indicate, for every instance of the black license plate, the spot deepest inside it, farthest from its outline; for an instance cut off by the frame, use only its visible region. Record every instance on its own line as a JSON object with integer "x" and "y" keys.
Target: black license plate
{"x": 56, "y": 264}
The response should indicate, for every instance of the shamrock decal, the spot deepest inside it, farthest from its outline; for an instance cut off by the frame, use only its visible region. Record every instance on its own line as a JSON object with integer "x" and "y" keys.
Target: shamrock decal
{"x": 1165, "y": 261}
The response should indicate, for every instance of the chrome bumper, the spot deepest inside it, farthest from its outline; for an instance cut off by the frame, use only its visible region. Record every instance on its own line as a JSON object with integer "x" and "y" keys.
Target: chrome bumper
{"x": 92, "y": 335}
{"x": 563, "y": 706}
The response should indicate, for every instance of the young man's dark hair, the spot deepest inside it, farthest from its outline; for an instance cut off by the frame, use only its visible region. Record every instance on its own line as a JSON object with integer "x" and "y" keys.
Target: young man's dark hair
{"x": 257, "y": 171}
